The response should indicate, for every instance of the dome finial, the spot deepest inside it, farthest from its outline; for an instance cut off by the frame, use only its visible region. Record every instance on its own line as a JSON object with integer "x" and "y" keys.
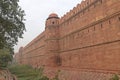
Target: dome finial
{"x": 53, "y": 15}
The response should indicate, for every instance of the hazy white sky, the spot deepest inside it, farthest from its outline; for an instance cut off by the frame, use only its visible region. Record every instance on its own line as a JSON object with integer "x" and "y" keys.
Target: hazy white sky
{"x": 36, "y": 13}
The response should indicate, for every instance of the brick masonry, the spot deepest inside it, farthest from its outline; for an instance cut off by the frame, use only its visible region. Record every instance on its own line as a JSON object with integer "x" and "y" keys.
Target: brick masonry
{"x": 84, "y": 42}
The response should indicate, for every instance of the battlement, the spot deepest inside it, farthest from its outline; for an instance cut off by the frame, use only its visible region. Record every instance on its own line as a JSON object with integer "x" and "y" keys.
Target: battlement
{"x": 87, "y": 38}
{"x": 78, "y": 9}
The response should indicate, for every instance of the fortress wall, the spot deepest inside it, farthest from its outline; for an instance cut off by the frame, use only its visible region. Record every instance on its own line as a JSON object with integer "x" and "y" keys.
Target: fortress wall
{"x": 79, "y": 74}
{"x": 93, "y": 12}
{"x": 33, "y": 52}
{"x": 84, "y": 45}
{"x": 85, "y": 25}
{"x": 17, "y": 57}
{"x": 84, "y": 75}
{"x": 76, "y": 9}
{"x": 96, "y": 33}
{"x": 93, "y": 46}
{"x": 103, "y": 57}
{"x": 76, "y": 19}
{"x": 92, "y": 63}
{"x": 34, "y": 43}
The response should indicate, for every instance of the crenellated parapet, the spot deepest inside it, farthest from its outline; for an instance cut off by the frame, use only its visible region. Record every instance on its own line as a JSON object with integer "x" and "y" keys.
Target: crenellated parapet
{"x": 82, "y": 44}
{"x": 78, "y": 9}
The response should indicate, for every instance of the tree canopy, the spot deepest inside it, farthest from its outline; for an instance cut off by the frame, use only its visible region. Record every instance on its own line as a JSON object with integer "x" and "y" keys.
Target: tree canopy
{"x": 11, "y": 23}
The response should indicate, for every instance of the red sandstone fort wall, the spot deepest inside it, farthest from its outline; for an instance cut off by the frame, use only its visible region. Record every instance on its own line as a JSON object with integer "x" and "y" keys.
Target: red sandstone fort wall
{"x": 88, "y": 14}
{"x": 34, "y": 50}
{"x": 86, "y": 42}
{"x": 91, "y": 37}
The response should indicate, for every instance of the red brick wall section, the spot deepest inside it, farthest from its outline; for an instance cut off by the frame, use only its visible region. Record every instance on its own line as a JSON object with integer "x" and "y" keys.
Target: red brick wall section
{"x": 84, "y": 44}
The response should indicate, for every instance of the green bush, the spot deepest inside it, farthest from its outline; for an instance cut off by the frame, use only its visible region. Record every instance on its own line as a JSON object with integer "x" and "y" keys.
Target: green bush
{"x": 115, "y": 77}
{"x": 25, "y": 72}
{"x": 5, "y": 57}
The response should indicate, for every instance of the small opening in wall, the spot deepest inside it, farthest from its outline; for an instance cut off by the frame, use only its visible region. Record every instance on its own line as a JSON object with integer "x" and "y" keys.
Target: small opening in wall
{"x": 119, "y": 18}
{"x": 53, "y": 22}
{"x": 94, "y": 5}
{"x": 78, "y": 35}
{"x": 101, "y": 1}
{"x": 88, "y": 30}
{"x": 101, "y": 25}
{"x": 109, "y": 22}
{"x": 87, "y": 3}
{"x": 58, "y": 60}
{"x": 94, "y": 28}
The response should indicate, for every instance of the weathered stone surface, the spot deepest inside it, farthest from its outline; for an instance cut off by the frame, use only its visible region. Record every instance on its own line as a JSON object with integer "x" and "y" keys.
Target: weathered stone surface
{"x": 6, "y": 75}
{"x": 86, "y": 38}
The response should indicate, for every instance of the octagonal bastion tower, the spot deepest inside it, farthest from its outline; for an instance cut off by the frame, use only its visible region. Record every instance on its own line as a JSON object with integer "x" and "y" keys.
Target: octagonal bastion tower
{"x": 52, "y": 39}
